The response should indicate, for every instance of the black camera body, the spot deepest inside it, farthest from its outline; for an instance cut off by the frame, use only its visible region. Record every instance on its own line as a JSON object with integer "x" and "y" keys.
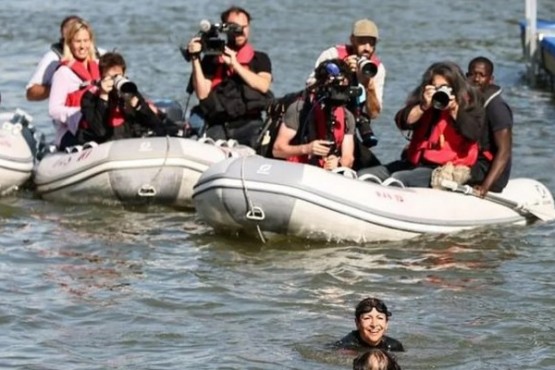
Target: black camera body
{"x": 367, "y": 137}
{"x": 214, "y": 38}
{"x": 335, "y": 93}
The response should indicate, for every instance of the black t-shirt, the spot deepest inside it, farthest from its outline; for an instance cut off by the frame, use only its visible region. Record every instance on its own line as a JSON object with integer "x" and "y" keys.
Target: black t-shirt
{"x": 354, "y": 341}
{"x": 498, "y": 117}
{"x": 260, "y": 62}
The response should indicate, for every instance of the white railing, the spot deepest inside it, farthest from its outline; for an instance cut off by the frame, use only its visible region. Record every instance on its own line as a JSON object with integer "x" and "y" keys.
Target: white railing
{"x": 531, "y": 40}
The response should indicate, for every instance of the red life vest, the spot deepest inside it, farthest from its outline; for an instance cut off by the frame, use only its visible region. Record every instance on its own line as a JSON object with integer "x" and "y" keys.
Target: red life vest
{"x": 87, "y": 74}
{"x": 244, "y": 57}
{"x": 343, "y": 51}
{"x": 321, "y": 123}
{"x": 440, "y": 143}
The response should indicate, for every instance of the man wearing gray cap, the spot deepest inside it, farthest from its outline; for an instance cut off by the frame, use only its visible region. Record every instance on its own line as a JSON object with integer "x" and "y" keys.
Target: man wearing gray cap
{"x": 370, "y": 75}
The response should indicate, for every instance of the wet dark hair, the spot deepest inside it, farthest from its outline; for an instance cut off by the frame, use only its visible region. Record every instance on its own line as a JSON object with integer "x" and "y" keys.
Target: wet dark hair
{"x": 367, "y": 304}
{"x": 109, "y": 60}
{"x": 385, "y": 361}
{"x": 487, "y": 62}
{"x": 234, "y": 9}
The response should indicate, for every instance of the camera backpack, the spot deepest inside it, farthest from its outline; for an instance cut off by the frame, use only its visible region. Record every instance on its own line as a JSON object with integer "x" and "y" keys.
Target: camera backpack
{"x": 274, "y": 117}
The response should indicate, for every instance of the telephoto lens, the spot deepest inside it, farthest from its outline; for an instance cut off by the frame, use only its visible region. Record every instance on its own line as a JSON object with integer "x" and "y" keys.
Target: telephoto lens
{"x": 125, "y": 86}
{"x": 367, "y": 67}
{"x": 441, "y": 98}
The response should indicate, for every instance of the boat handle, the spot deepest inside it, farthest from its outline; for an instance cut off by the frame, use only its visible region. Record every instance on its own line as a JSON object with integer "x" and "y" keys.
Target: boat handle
{"x": 147, "y": 191}
{"x": 255, "y": 214}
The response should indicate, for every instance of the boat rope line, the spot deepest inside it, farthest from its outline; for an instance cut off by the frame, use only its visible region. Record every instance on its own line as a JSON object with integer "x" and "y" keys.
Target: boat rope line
{"x": 254, "y": 213}
{"x": 147, "y": 189}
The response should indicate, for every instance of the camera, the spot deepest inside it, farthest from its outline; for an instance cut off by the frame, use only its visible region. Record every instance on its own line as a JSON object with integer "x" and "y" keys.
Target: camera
{"x": 367, "y": 67}
{"x": 214, "y": 38}
{"x": 442, "y": 97}
{"x": 125, "y": 86}
{"x": 336, "y": 93}
{"x": 331, "y": 85}
{"x": 366, "y": 134}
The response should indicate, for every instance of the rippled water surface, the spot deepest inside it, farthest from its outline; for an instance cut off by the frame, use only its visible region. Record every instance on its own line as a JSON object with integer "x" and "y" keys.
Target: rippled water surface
{"x": 107, "y": 288}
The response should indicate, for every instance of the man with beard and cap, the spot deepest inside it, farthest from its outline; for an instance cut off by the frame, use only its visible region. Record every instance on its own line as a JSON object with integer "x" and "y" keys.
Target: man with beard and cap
{"x": 233, "y": 88}
{"x": 368, "y": 73}
{"x": 492, "y": 170}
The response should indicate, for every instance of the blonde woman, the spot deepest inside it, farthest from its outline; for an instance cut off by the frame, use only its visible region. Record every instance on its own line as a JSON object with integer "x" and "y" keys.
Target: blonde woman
{"x": 78, "y": 71}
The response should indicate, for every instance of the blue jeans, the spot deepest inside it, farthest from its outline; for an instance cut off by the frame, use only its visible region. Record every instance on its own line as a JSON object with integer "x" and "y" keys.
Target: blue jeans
{"x": 406, "y": 172}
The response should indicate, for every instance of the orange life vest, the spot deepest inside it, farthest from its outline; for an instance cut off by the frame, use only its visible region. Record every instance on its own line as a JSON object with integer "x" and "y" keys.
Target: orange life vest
{"x": 439, "y": 142}
{"x": 244, "y": 57}
{"x": 343, "y": 51}
{"x": 87, "y": 74}
{"x": 321, "y": 122}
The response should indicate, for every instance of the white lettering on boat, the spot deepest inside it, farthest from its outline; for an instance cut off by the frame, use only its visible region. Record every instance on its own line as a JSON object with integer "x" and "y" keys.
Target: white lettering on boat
{"x": 146, "y": 146}
{"x": 264, "y": 169}
{"x": 385, "y": 195}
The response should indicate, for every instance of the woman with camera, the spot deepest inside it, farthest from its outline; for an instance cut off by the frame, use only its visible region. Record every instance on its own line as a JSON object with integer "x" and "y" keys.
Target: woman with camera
{"x": 446, "y": 118}
{"x": 77, "y": 72}
{"x": 114, "y": 108}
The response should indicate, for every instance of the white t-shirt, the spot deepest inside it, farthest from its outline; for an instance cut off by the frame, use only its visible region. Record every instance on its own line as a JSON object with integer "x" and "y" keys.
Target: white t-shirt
{"x": 46, "y": 68}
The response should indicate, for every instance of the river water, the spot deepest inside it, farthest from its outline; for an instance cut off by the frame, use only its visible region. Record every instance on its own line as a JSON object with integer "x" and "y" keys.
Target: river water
{"x": 86, "y": 287}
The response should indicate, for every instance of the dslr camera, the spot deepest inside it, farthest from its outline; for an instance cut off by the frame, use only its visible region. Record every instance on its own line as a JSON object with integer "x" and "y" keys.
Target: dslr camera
{"x": 442, "y": 97}
{"x": 367, "y": 67}
{"x": 214, "y": 37}
{"x": 125, "y": 86}
{"x": 331, "y": 87}
{"x": 365, "y": 132}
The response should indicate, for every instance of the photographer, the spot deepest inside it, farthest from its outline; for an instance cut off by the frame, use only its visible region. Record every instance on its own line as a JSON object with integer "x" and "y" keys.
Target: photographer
{"x": 319, "y": 129}
{"x": 114, "y": 109}
{"x": 233, "y": 87}
{"x": 446, "y": 118}
{"x": 368, "y": 73}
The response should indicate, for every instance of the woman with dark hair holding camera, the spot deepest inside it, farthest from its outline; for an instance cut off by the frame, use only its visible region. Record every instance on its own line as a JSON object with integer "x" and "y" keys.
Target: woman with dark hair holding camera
{"x": 446, "y": 117}
{"x": 114, "y": 108}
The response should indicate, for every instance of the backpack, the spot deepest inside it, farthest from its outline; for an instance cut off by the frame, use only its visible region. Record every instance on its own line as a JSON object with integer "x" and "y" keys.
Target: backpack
{"x": 274, "y": 117}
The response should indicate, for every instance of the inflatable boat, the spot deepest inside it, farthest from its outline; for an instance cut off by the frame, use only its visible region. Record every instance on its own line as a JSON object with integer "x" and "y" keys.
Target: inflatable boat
{"x": 266, "y": 197}
{"x": 16, "y": 150}
{"x": 138, "y": 171}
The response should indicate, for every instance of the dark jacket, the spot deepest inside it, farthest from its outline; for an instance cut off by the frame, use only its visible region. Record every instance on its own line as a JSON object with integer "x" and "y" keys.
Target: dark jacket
{"x": 354, "y": 341}
{"x": 137, "y": 122}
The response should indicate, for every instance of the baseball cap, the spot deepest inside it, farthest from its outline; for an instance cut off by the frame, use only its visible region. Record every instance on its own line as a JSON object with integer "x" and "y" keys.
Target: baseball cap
{"x": 365, "y": 28}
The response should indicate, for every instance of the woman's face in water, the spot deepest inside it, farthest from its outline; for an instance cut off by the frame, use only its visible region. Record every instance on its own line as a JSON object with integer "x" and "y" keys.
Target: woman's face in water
{"x": 372, "y": 326}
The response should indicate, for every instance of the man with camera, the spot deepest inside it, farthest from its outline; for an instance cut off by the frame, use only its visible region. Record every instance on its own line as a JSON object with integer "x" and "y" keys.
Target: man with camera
{"x": 493, "y": 168}
{"x": 231, "y": 83}
{"x": 367, "y": 72}
{"x": 115, "y": 109}
{"x": 318, "y": 129}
